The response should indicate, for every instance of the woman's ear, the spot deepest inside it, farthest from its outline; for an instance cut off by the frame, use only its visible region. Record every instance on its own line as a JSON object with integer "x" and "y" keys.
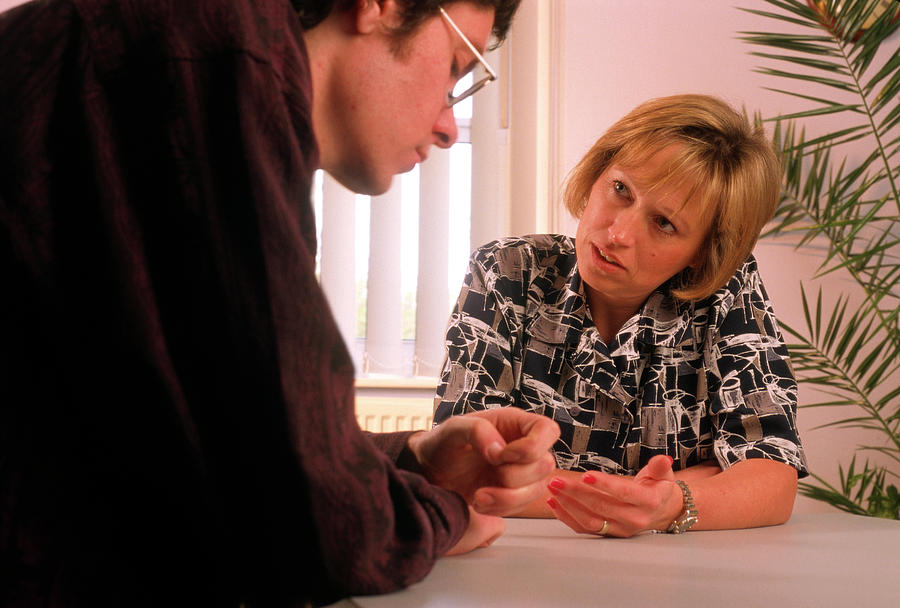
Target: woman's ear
{"x": 702, "y": 256}
{"x": 708, "y": 251}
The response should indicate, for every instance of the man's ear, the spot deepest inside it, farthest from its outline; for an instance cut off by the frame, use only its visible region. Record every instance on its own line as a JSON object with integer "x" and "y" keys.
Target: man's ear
{"x": 374, "y": 14}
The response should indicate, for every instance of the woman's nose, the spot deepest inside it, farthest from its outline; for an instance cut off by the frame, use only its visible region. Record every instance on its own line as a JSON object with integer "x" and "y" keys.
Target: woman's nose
{"x": 621, "y": 230}
{"x": 444, "y": 129}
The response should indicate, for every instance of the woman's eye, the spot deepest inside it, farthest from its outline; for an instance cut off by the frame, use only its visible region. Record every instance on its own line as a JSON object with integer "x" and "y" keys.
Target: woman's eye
{"x": 620, "y": 188}
{"x": 664, "y": 225}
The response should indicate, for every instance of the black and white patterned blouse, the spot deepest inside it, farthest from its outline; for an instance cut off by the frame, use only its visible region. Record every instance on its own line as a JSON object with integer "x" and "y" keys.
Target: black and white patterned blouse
{"x": 709, "y": 380}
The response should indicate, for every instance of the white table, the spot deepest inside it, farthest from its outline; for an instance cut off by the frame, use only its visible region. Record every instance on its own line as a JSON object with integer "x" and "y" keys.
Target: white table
{"x": 816, "y": 559}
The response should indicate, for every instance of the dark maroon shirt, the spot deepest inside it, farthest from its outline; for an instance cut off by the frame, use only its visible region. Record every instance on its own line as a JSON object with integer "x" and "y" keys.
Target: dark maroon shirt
{"x": 176, "y": 404}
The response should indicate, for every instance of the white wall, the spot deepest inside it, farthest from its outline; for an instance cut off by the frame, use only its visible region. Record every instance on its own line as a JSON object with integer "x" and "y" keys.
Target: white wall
{"x": 618, "y": 53}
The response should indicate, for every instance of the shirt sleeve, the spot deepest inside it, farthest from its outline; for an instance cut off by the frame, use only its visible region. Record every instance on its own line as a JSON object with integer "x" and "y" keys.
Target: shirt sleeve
{"x": 752, "y": 390}
{"x": 478, "y": 369}
{"x": 394, "y": 446}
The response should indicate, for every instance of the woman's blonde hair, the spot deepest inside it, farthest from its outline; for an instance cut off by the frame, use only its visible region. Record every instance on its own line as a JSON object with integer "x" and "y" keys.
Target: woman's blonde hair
{"x": 729, "y": 165}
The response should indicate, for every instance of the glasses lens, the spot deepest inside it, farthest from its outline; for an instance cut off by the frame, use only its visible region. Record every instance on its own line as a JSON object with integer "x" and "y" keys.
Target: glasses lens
{"x": 465, "y": 83}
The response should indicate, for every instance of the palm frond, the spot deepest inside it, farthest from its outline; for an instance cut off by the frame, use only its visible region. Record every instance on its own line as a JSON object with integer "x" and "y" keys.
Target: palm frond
{"x": 849, "y": 349}
{"x": 861, "y": 493}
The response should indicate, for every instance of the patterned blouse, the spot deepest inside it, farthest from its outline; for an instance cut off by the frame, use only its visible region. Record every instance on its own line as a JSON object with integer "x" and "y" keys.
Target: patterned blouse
{"x": 697, "y": 381}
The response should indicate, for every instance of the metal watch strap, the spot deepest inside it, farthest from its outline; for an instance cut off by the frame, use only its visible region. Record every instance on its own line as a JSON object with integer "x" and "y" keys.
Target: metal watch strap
{"x": 689, "y": 517}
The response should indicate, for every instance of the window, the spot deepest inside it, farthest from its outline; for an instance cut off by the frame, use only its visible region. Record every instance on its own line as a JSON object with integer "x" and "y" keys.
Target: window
{"x": 392, "y": 265}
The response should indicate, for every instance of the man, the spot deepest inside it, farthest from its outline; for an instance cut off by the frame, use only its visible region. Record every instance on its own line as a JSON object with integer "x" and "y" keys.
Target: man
{"x": 177, "y": 405}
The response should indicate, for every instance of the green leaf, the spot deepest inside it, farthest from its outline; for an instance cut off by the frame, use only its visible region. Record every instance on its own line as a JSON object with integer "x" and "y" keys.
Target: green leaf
{"x": 821, "y": 80}
{"x": 832, "y": 67}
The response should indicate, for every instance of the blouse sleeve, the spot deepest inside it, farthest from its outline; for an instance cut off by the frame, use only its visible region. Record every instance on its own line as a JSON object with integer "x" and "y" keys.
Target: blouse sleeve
{"x": 478, "y": 368}
{"x": 752, "y": 390}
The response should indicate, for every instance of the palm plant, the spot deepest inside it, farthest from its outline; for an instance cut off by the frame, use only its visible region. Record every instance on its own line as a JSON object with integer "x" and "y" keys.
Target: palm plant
{"x": 846, "y": 64}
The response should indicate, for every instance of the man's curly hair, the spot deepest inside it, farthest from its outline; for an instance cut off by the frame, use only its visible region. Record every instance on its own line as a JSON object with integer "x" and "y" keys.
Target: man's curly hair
{"x": 312, "y": 12}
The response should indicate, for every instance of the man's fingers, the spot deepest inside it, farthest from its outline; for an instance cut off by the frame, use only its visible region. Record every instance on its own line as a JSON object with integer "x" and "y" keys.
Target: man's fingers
{"x": 523, "y": 474}
{"x": 483, "y": 530}
{"x": 526, "y": 436}
{"x": 485, "y": 438}
{"x": 516, "y": 486}
{"x": 540, "y": 438}
{"x": 506, "y": 501}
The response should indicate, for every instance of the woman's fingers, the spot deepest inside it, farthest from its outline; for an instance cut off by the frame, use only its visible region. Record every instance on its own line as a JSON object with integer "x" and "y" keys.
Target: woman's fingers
{"x": 622, "y": 501}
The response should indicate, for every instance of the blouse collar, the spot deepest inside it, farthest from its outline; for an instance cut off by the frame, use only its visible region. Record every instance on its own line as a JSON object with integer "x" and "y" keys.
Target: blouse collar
{"x": 614, "y": 368}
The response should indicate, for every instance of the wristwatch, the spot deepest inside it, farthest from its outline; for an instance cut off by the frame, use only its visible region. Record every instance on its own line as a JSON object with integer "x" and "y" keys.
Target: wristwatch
{"x": 689, "y": 517}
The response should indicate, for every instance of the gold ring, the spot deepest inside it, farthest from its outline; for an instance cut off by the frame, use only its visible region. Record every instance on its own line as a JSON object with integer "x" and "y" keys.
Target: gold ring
{"x": 604, "y": 529}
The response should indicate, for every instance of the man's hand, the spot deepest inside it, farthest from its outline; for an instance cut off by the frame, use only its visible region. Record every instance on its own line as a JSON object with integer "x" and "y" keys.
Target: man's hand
{"x": 496, "y": 459}
{"x": 483, "y": 530}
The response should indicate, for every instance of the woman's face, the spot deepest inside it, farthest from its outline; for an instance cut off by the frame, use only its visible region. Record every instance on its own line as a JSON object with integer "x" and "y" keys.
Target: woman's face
{"x": 630, "y": 241}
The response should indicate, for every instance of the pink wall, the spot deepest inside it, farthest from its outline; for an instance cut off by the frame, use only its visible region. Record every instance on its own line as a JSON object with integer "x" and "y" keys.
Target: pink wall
{"x": 5, "y": 4}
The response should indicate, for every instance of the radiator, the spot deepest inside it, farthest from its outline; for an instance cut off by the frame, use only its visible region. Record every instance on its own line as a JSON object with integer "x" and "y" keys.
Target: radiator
{"x": 385, "y": 414}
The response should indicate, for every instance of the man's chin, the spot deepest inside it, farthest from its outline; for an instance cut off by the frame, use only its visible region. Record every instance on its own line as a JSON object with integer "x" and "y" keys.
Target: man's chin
{"x": 372, "y": 185}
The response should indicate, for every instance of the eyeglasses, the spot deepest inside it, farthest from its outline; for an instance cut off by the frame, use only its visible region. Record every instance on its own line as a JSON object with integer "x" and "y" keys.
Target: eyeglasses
{"x": 454, "y": 98}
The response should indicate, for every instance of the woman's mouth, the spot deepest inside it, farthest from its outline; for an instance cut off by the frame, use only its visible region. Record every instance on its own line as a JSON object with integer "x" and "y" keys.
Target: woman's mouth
{"x": 605, "y": 257}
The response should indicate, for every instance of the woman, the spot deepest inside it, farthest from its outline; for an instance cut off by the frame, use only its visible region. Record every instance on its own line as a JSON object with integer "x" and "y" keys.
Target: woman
{"x": 649, "y": 338}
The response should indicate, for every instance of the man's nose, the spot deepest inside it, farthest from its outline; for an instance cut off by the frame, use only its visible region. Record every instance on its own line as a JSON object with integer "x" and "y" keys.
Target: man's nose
{"x": 444, "y": 129}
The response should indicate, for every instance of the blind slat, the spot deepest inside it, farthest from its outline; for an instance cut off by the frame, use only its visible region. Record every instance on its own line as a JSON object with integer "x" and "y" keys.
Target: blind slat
{"x": 432, "y": 282}
{"x": 384, "y": 316}
{"x": 337, "y": 262}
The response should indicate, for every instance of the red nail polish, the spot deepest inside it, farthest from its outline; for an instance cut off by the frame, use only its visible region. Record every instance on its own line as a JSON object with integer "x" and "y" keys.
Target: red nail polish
{"x": 588, "y": 478}
{"x": 551, "y": 503}
{"x": 671, "y": 460}
{"x": 556, "y": 483}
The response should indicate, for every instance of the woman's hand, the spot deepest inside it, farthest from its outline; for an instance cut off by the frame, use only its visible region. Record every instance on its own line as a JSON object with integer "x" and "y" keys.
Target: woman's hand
{"x": 614, "y": 505}
{"x": 751, "y": 493}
